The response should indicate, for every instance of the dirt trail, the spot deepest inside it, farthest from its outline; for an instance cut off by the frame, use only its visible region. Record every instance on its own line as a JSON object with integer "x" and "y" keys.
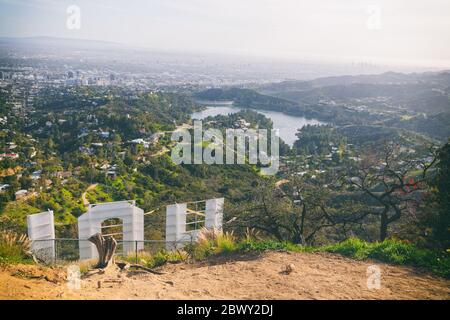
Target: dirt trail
{"x": 83, "y": 196}
{"x": 164, "y": 150}
{"x": 281, "y": 182}
{"x": 315, "y": 276}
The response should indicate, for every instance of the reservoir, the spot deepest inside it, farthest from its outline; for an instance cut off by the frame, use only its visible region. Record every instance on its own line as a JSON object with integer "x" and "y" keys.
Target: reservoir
{"x": 287, "y": 124}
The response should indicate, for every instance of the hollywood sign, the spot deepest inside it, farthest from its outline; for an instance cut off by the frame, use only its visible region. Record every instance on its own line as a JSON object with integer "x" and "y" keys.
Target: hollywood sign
{"x": 41, "y": 229}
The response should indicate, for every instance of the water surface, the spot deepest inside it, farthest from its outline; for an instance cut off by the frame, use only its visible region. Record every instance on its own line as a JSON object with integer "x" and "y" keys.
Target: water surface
{"x": 287, "y": 124}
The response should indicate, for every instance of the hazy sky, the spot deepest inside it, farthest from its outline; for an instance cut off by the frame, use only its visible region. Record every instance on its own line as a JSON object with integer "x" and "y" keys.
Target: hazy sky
{"x": 378, "y": 30}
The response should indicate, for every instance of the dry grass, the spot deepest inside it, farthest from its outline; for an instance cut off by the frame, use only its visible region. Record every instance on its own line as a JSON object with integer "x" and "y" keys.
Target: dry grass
{"x": 14, "y": 248}
{"x": 213, "y": 241}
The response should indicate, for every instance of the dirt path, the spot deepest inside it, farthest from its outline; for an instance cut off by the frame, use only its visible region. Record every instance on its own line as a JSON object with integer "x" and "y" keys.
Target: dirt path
{"x": 281, "y": 182}
{"x": 164, "y": 150}
{"x": 83, "y": 196}
{"x": 315, "y": 276}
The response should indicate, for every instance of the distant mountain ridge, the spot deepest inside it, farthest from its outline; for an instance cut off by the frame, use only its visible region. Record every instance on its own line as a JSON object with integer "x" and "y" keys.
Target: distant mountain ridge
{"x": 61, "y": 43}
{"x": 440, "y": 77}
{"x": 417, "y": 101}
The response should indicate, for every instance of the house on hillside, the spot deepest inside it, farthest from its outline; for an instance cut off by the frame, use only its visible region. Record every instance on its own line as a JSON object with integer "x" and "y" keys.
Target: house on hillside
{"x": 8, "y": 156}
{"x": 141, "y": 141}
{"x": 104, "y": 134}
{"x": 36, "y": 175}
{"x": 21, "y": 194}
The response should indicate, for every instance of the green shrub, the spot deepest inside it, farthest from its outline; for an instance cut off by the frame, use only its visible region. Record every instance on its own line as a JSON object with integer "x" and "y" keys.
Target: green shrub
{"x": 352, "y": 247}
{"x": 225, "y": 243}
{"x": 392, "y": 251}
{"x": 395, "y": 252}
{"x": 158, "y": 259}
{"x": 177, "y": 256}
{"x": 211, "y": 242}
{"x": 14, "y": 248}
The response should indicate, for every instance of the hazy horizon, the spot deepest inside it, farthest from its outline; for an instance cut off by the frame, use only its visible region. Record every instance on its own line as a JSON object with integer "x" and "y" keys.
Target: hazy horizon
{"x": 400, "y": 33}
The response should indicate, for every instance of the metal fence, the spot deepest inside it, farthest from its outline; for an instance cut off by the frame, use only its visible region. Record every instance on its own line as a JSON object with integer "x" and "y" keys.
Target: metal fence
{"x": 54, "y": 251}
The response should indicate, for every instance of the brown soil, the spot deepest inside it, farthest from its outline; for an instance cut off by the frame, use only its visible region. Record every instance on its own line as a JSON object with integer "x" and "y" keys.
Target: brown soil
{"x": 314, "y": 276}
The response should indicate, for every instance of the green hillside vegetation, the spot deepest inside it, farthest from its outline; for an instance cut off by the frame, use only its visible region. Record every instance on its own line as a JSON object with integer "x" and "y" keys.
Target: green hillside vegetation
{"x": 362, "y": 175}
{"x": 66, "y": 148}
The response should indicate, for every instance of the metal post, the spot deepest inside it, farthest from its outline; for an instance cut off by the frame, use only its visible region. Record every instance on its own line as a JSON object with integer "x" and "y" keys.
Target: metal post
{"x": 136, "y": 252}
{"x": 56, "y": 251}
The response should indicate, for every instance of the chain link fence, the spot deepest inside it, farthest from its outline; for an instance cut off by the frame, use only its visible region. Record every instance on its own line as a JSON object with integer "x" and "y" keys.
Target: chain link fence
{"x": 63, "y": 250}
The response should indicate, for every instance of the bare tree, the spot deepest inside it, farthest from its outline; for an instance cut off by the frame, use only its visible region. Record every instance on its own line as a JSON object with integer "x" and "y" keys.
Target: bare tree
{"x": 264, "y": 212}
{"x": 309, "y": 209}
{"x": 386, "y": 186}
{"x": 294, "y": 210}
{"x": 392, "y": 181}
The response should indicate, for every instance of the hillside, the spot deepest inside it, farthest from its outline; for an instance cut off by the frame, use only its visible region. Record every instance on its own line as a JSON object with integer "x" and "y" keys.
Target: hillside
{"x": 315, "y": 276}
{"x": 418, "y": 101}
{"x": 438, "y": 78}
{"x": 72, "y": 138}
{"x": 245, "y": 98}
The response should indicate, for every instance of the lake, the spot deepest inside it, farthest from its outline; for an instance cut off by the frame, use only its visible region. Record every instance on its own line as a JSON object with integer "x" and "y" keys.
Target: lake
{"x": 288, "y": 125}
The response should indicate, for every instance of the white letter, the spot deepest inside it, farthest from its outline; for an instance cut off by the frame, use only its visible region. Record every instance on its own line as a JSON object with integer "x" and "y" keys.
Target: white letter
{"x": 274, "y": 152}
{"x": 374, "y": 20}
{"x": 198, "y": 142}
{"x": 373, "y": 277}
{"x": 230, "y": 146}
{"x": 74, "y": 19}
{"x": 73, "y": 277}
{"x": 214, "y": 136}
{"x": 184, "y": 145}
